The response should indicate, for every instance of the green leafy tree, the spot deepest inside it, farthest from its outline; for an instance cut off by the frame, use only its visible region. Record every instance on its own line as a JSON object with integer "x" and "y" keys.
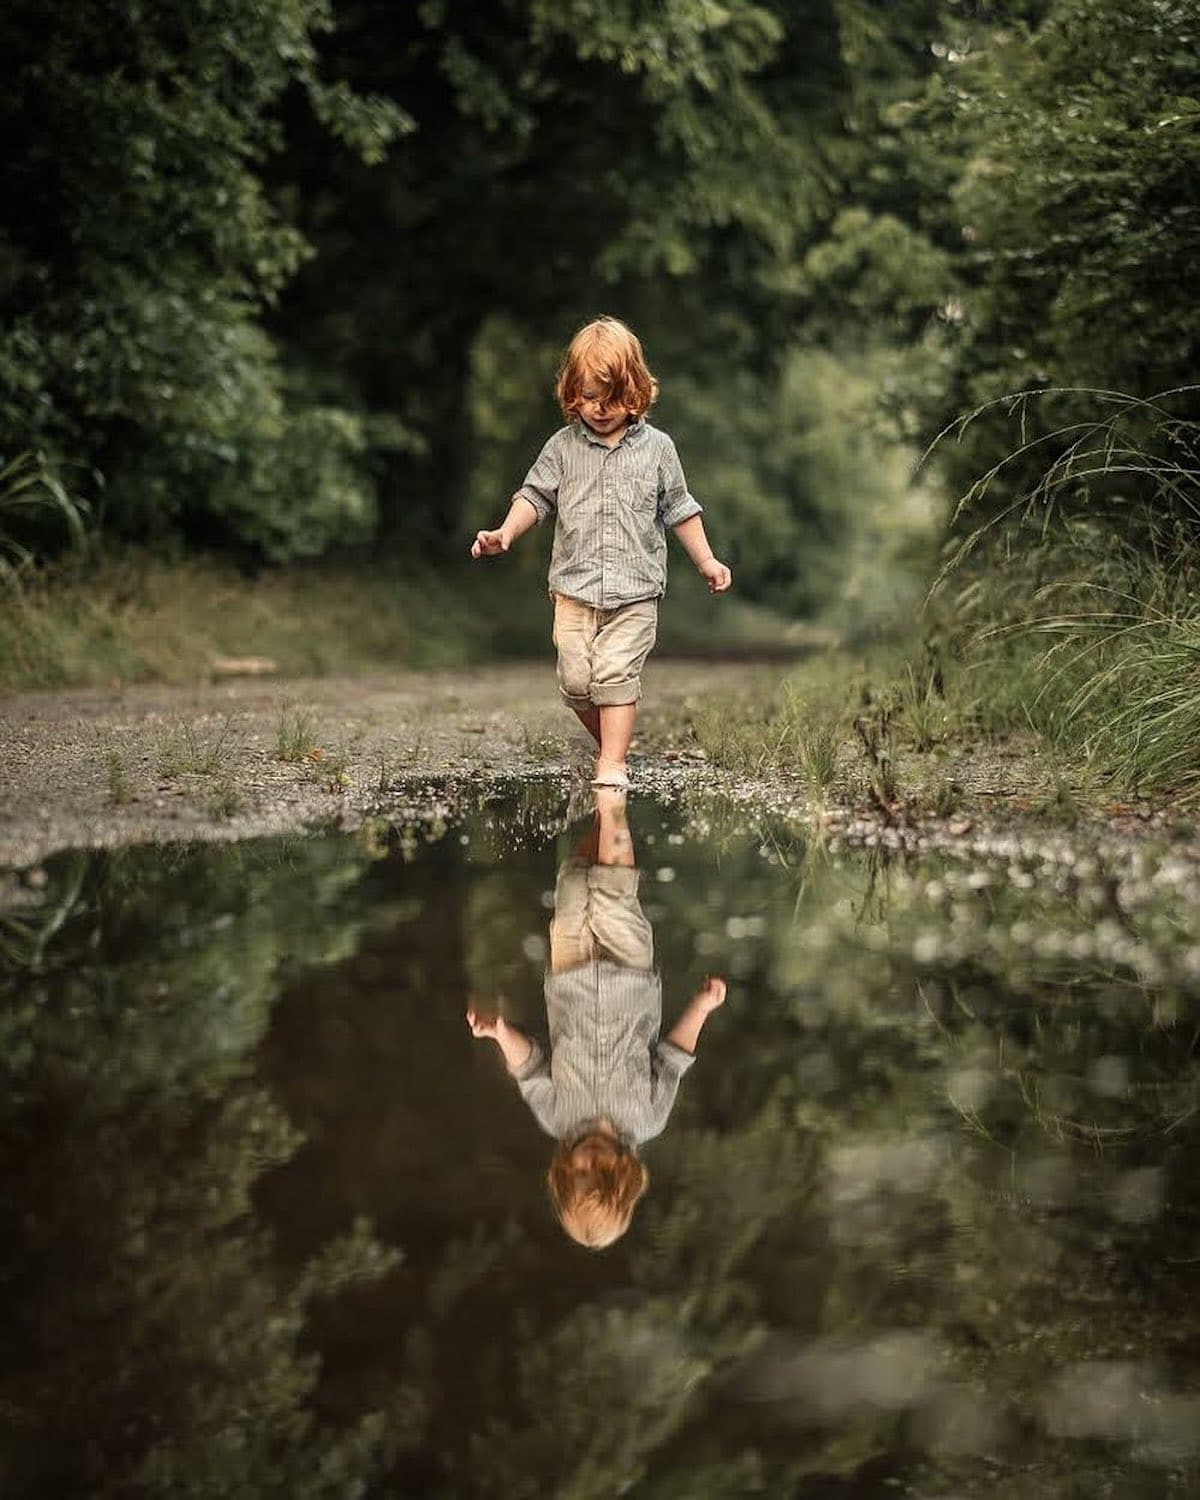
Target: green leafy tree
{"x": 1073, "y": 132}
{"x": 138, "y": 251}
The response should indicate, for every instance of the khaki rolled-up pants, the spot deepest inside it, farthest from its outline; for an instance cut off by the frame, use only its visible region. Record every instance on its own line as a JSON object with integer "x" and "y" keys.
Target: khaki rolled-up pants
{"x": 597, "y": 914}
{"x": 601, "y": 652}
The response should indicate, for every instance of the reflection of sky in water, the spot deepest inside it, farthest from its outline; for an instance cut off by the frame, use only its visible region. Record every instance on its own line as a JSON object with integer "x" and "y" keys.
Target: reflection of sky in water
{"x": 924, "y": 1213}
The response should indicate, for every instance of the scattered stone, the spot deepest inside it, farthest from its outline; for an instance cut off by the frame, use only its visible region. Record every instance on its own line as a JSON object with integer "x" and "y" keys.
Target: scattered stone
{"x": 243, "y": 666}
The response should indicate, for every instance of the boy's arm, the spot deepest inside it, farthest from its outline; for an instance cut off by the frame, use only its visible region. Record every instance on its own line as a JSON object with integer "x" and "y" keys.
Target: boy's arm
{"x": 674, "y": 1055}
{"x": 533, "y": 502}
{"x": 679, "y": 509}
{"x": 521, "y": 516}
{"x": 513, "y": 1043}
{"x": 686, "y": 1031}
{"x": 527, "y": 1064}
{"x": 708, "y": 565}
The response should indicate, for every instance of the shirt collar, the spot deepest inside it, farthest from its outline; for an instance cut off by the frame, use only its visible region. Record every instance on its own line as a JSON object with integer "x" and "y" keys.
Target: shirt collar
{"x": 632, "y": 434}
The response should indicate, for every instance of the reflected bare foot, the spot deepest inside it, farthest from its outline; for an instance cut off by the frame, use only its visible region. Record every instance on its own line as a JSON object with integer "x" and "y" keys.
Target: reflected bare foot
{"x": 612, "y": 773}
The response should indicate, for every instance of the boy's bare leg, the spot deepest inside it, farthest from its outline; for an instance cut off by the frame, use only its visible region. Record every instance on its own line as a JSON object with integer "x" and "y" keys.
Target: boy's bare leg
{"x": 587, "y": 848}
{"x": 614, "y": 845}
{"x": 590, "y": 719}
{"x": 616, "y": 731}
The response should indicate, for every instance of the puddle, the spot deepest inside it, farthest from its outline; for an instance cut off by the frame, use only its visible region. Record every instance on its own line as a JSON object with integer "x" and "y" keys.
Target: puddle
{"x": 921, "y": 1218}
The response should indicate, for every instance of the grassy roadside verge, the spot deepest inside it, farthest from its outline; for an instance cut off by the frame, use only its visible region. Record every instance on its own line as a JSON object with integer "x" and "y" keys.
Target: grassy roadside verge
{"x": 135, "y": 619}
{"x": 904, "y": 732}
{"x": 1061, "y": 636}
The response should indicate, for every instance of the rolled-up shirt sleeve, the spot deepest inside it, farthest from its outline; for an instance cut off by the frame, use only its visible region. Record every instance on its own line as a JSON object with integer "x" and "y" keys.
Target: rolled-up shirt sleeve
{"x": 675, "y": 502}
{"x": 534, "y": 1080}
{"x": 668, "y": 1064}
{"x": 540, "y": 486}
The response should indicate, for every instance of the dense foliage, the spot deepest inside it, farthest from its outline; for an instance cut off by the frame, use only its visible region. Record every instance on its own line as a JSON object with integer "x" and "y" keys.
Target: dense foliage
{"x": 278, "y": 278}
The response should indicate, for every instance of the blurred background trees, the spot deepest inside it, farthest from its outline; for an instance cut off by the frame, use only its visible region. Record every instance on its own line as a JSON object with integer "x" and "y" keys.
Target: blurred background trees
{"x": 278, "y": 282}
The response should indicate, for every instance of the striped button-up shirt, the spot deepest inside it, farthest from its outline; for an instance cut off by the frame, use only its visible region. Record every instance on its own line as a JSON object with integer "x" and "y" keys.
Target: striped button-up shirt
{"x": 612, "y": 508}
{"x": 606, "y": 1060}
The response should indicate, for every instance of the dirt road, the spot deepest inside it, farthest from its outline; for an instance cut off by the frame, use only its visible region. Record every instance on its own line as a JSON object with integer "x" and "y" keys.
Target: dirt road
{"x": 92, "y": 768}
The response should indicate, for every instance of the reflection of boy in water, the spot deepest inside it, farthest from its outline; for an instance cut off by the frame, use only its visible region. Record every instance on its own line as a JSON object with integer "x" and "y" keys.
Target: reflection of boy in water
{"x": 608, "y": 1083}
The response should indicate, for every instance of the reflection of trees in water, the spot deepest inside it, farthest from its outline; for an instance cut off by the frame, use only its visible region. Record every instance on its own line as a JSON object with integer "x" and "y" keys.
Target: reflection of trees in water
{"x": 852, "y": 1263}
{"x": 1005, "y": 1114}
{"x": 919, "y": 1214}
{"x": 152, "y": 1345}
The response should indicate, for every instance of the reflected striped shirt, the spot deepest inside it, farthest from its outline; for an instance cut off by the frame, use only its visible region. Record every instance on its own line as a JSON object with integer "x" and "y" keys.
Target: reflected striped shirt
{"x": 606, "y": 1060}
{"x": 611, "y": 507}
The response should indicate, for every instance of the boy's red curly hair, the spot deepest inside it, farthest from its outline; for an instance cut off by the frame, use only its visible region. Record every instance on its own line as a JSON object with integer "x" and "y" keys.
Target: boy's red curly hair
{"x": 608, "y": 353}
{"x": 595, "y": 1184}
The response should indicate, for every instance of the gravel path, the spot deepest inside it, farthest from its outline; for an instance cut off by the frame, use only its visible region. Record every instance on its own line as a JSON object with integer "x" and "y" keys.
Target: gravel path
{"x": 92, "y": 768}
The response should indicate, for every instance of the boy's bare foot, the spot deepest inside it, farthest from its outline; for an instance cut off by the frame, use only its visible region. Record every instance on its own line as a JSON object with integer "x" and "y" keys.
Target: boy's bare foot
{"x": 612, "y": 773}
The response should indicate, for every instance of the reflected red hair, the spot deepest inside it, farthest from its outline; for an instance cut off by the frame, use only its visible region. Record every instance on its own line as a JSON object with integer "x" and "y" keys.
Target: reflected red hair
{"x": 607, "y": 352}
{"x": 594, "y": 1186}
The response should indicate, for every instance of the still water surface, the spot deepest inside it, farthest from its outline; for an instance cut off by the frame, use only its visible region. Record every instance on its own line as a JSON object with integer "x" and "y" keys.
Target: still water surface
{"x": 921, "y": 1217}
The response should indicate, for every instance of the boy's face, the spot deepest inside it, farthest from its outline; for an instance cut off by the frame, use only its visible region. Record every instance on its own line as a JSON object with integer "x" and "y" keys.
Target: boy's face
{"x": 598, "y": 409}
{"x": 596, "y": 1146}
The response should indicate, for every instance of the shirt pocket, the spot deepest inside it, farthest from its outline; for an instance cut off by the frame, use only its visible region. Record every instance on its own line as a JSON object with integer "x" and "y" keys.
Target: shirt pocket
{"x": 640, "y": 495}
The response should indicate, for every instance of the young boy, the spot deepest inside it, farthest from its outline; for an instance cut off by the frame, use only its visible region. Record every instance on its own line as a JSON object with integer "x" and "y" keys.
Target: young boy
{"x": 614, "y": 484}
{"x": 608, "y": 1082}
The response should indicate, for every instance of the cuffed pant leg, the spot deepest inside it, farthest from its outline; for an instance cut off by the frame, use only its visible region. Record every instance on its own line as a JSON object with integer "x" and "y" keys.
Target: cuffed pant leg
{"x": 574, "y": 636}
{"x": 619, "y": 925}
{"x": 571, "y": 942}
{"x": 623, "y": 641}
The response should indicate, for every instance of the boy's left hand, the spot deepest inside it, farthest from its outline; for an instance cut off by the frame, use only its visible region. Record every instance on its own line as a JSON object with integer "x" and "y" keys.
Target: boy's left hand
{"x": 712, "y": 993}
{"x": 481, "y": 1022}
{"x": 716, "y": 575}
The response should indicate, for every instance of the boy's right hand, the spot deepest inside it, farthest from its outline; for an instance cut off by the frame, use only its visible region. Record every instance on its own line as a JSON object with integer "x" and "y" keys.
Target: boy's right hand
{"x": 489, "y": 543}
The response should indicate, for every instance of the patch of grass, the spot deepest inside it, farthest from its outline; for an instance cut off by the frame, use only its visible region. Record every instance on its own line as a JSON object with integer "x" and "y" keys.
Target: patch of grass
{"x": 1064, "y": 628}
{"x": 128, "y": 617}
{"x": 335, "y": 770}
{"x": 1140, "y": 711}
{"x": 817, "y": 753}
{"x": 1088, "y": 649}
{"x": 946, "y": 796}
{"x": 922, "y": 706}
{"x": 800, "y": 725}
{"x": 29, "y": 484}
{"x": 1090, "y": 579}
{"x": 226, "y": 800}
{"x": 295, "y": 737}
{"x": 120, "y": 793}
{"x": 192, "y": 750}
{"x": 874, "y": 729}
{"x": 730, "y": 737}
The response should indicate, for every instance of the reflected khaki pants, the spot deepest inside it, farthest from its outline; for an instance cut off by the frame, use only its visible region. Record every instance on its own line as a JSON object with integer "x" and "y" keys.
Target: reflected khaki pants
{"x": 601, "y": 652}
{"x": 597, "y": 914}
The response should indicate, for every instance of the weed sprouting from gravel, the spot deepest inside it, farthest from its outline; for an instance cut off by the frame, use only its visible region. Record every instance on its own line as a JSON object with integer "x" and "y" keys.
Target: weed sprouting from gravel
{"x": 120, "y": 793}
{"x": 295, "y": 737}
{"x": 192, "y": 750}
